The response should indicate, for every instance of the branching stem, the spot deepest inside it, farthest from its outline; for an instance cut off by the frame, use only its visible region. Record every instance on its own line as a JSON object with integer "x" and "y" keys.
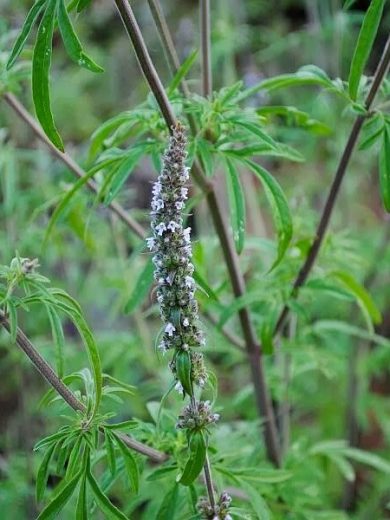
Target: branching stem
{"x": 304, "y": 272}
{"x": 68, "y": 396}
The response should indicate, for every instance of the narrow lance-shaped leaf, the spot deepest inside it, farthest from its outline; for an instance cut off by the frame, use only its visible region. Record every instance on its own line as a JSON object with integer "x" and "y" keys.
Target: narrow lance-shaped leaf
{"x": 279, "y": 206}
{"x": 182, "y": 72}
{"x": 82, "y": 4}
{"x": 63, "y": 205}
{"x": 364, "y": 45}
{"x": 196, "y": 460}
{"x": 57, "y": 504}
{"x": 81, "y": 507}
{"x": 72, "y": 43}
{"x": 237, "y": 205}
{"x": 384, "y": 168}
{"x": 24, "y": 33}
{"x": 40, "y": 74}
{"x": 43, "y": 472}
{"x": 58, "y": 337}
{"x": 169, "y": 504}
{"x": 183, "y": 370}
{"x": 364, "y": 300}
{"x": 102, "y": 500}
{"x": 130, "y": 464}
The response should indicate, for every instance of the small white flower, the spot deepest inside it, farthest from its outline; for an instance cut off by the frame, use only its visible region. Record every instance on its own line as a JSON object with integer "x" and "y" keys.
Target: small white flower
{"x": 157, "y": 204}
{"x": 179, "y": 205}
{"x": 190, "y": 282}
{"x": 201, "y": 382}
{"x": 160, "y": 228}
{"x": 170, "y": 329}
{"x": 184, "y": 192}
{"x": 186, "y": 322}
{"x": 150, "y": 243}
{"x": 156, "y": 188}
{"x": 172, "y": 225}
{"x": 160, "y": 298}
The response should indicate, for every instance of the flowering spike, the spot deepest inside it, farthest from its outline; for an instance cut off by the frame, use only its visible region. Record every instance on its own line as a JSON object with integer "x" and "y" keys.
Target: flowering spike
{"x": 171, "y": 245}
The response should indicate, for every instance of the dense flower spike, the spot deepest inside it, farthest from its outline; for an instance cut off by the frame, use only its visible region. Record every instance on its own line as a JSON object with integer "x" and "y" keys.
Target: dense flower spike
{"x": 171, "y": 245}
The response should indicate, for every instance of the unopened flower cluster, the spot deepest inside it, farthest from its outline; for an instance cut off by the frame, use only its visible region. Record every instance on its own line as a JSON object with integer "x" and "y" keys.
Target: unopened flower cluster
{"x": 219, "y": 512}
{"x": 171, "y": 245}
{"x": 197, "y": 417}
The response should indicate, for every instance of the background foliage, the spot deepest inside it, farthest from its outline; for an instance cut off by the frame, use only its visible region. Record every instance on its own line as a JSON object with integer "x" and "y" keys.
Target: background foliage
{"x": 296, "y": 130}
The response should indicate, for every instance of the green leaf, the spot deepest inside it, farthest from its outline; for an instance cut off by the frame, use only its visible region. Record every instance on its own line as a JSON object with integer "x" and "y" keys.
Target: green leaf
{"x": 55, "y": 506}
{"x": 182, "y": 72}
{"x": 13, "y": 320}
{"x": 62, "y": 206}
{"x": 370, "y": 459}
{"x": 122, "y": 173}
{"x": 130, "y": 464}
{"x": 40, "y": 74}
{"x": 58, "y": 337}
{"x": 196, "y": 460}
{"x": 364, "y": 45}
{"x": 168, "y": 507}
{"x": 266, "y": 338}
{"x": 237, "y": 205}
{"x": 205, "y": 152}
{"x": 71, "y": 41}
{"x": 82, "y": 4}
{"x": 371, "y": 131}
{"x": 125, "y": 425}
{"x": 81, "y": 506}
{"x": 93, "y": 354}
{"x": 308, "y": 75}
{"x": 52, "y": 438}
{"x": 161, "y": 473}
{"x": 24, "y": 33}
{"x": 74, "y": 458}
{"x": 202, "y": 283}
{"x": 345, "y": 467}
{"x": 256, "y": 130}
{"x": 350, "y": 330}
{"x": 257, "y": 502}
{"x": 364, "y": 300}
{"x": 183, "y": 370}
{"x": 102, "y": 500}
{"x": 279, "y": 207}
{"x": 43, "y": 472}
{"x": 141, "y": 288}
{"x": 384, "y": 169}
{"x": 101, "y": 133}
{"x": 110, "y": 451}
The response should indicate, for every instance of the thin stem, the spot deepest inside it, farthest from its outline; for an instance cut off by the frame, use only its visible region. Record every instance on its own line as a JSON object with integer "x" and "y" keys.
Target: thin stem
{"x": 165, "y": 35}
{"x": 145, "y": 62}
{"x": 304, "y": 272}
{"x": 170, "y": 52}
{"x": 123, "y": 215}
{"x": 205, "y": 35}
{"x": 68, "y": 396}
{"x": 209, "y": 482}
{"x": 262, "y": 396}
